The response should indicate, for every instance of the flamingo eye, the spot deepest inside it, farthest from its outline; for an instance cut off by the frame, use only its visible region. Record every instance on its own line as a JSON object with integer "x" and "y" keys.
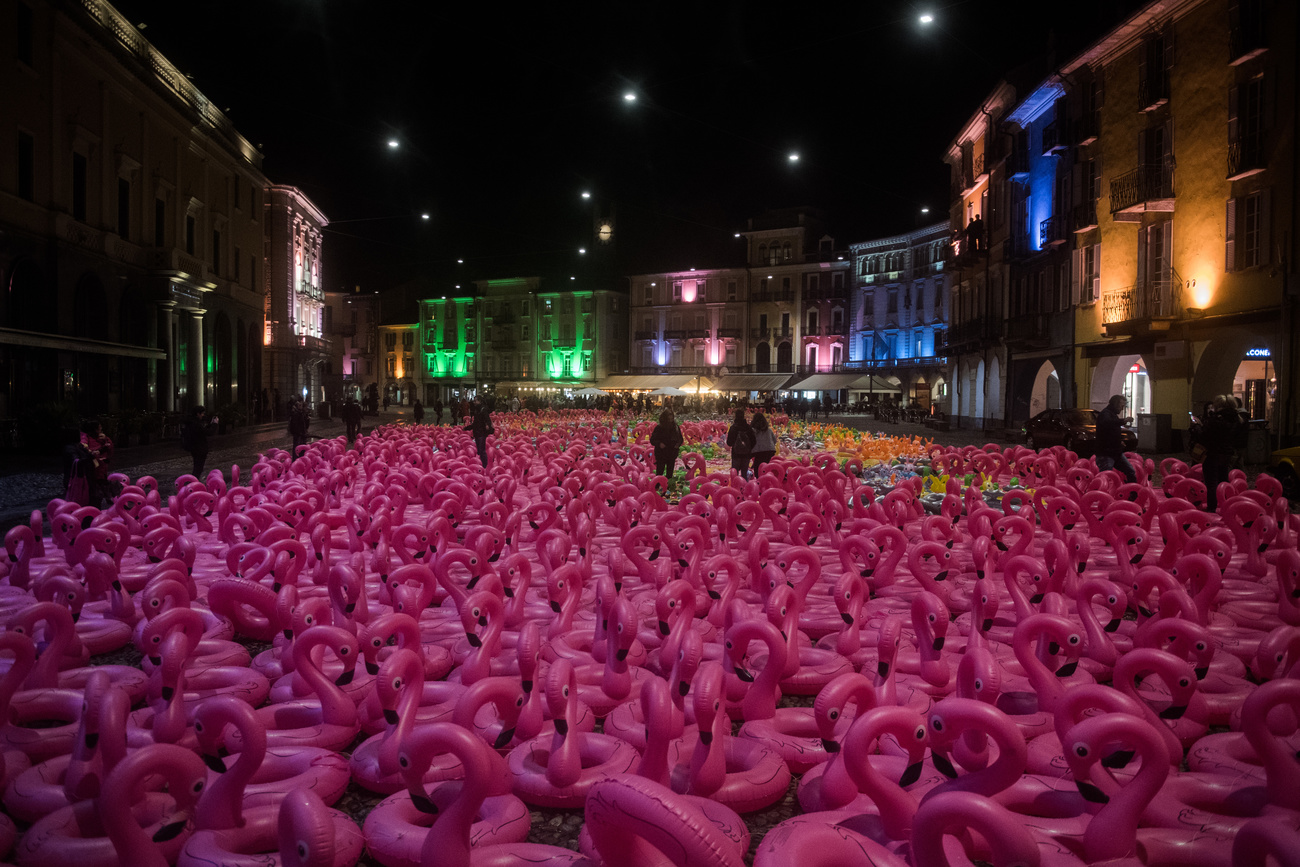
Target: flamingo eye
{"x": 848, "y": 595}
{"x": 303, "y": 851}
{"x": 157, "y": 639}
{"x": 672, "y": 603}
{"x": 717, "y": 705}
{"x": 919, "y": 734}
{"x": 1184, "y": 682}
{"x": 197, "y": 787}
{"x": 1074, "y": 639}
{"x": 404, "y": 761}
{"x": 984, "y": 599}
{"x": 198, "y": 726}
{"x": 1200, "y": 645}
{"x": 519, "y": 702}
{"x": 937, "y": 724}
{"x": 979, "y": 685}
{"x": 343, "y": 651}
{"x": 834, "y": 714}
{"x": 932, "y": 618}
{"x": 1081, "y": 750}
{"x": 1113, "y": 600}
{"x": 566, "y": 692}
{"x": 731, "y": 646}
{"x": 154, "y": 602}
{"x": 476, "y": 613}
{"x": 397, "y": 683}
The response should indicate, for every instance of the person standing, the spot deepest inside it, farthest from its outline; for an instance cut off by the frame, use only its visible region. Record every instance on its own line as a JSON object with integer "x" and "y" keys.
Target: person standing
{"x": 740, "y": 438}
{"x": 1218, "y": 434}
{"x": 418, "y": 411}
{"x": 299, "y": 421}
{"x": 1110, "y": 441}
{"x": 667, "y": 441}
{"x": 764, "y": 442}
{"x": 437, "y": 410}
{"x": 386, "y": 401}
{"x": 480, "y": 427}
{"x": 352, "y": 419}
{"x": 194, "y": 438}
{"x": 100, "y": 448}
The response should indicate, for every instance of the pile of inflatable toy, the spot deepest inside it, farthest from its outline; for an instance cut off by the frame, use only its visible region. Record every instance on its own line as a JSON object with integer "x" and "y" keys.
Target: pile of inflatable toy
{"x": 1011, "y": 657}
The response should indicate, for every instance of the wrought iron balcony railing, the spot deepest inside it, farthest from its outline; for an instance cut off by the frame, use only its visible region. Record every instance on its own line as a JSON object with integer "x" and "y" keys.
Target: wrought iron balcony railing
{"x": 1246, "y": 157}
{"x": 1159, "y": 298}
{"x": 1143, "y": 185}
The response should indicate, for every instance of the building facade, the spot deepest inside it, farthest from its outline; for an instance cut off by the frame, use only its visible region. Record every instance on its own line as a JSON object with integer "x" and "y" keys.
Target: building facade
{"x": 351, "y": 317}
{"x": 131, "y": 224}
{"x": 1192, "y": 256}
{"x": 296, "y": 348}
{"x": 898, "y": 316}
{"x": 401, "y": 380}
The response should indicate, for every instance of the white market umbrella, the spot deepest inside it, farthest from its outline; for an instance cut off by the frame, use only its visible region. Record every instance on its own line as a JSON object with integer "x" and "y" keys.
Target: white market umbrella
{"x": 590, "y": 392}
{"x": 669, "y": 390}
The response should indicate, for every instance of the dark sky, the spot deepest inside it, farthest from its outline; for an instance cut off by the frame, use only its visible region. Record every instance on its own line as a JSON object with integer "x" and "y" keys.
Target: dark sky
{"x": 504, "y": 115}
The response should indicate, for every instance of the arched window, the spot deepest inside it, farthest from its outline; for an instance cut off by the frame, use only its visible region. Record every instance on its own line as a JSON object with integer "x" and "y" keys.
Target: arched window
{"x": 786, "y": 251}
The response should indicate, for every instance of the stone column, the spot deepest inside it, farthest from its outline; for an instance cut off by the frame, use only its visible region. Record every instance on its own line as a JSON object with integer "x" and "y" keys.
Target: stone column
{"x": 167, "y": 367}
{"x": 195, "y": 378}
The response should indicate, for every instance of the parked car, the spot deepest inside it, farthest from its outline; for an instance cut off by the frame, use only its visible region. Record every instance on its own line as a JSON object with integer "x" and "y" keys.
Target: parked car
{"x": 1076, "y": 429}
{"x": 1285, "y": 467}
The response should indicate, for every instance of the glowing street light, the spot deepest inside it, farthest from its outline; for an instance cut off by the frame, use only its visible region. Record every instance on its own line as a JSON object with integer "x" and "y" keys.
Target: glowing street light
{"x": 424, "y": 216}
{"x": 582, "y": 249}
{"x": 794, "y": 158}
{"x": 392, "y": 142}
{"x": 925, "y": 210}
{"x": 926, "y": 18}
{"x": 460, "y": 261}
{"x": 629, "y": 97}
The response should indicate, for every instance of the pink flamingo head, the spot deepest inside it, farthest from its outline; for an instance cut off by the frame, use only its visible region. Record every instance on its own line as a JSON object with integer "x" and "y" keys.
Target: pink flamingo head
{"x": 930, "y": 618}
{"x": 955, "y": 812}
{"x": 707, "y": 702}
{"x": 834, "y": 699}
{"x": 675, "y": 597}
{"x": 622, "y": 629}
{"x": 305, "y": 830}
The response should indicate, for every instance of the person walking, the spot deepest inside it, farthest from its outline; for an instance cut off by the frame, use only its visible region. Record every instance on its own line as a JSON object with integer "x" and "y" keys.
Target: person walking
{"x": 764, "y": 442}
{"x": 667, "y": 441}
{"x": 480, "y": 427}
{"x": 740, "y": 439}
{"x": 299, "y": 421}
{"x": 437, "y": 410}
{"x": 1110, "y": 442}
{"x": 386, "y": 401}
{"x": 194, "y": 438}
{"x": 1219, "y": 429}
{"x": 418, "y": 411}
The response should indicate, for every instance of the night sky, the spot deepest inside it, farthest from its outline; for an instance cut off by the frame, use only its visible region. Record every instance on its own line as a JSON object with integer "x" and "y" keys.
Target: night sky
{"x": 505, "y": 115}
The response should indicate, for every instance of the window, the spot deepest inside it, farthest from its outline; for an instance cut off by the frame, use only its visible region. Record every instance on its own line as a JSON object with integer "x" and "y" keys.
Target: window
{"x": 159, "y": 222}
{"x": 677, "y": 291}
{"x": 699, "y": 356}
{"x": 124, "y": 209}
{"x": 785, "y": 323}
{"x": 566, "y": 304}
{"x": 24, "y": 40}
{"x": 785, "y": 285}
{"x": 1248, "y": 231}
{"x": 390, "y": 341}
{"x": 26, "y": 161}
{"x": 216, "y": 252}
{"x": 812, "y": 355}
{"x": 546, "y": 306}
{"x": 812, "y": 321}
{"x": 700, "y": 324}
{"x": 1246, "y": 128}
{"x": 762, "y": 286}
{"x": 189, "y": 234}
{"x": 586, "y": 361}
{"x": 78, "y": 187}
{"x": 650, "y": 294}
{"x": 252, "y": 275}
{"x": 785, "y": 251}
{"x": 837, "y": 280}
{"x": 1086, "y": 272}
{"x": 893, "y": 303}
{"x": 523, "y": 331}
{"x": 647, "y": 356}
{"x": 408, "y": 339}
{"x": 235, "y": 259}
{"x": 812, "y": 282}
{"x": 731, "y": 290}
{"x": 1155, "y": 60}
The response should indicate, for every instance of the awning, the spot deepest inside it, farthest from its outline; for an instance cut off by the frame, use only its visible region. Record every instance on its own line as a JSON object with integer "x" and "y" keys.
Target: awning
{"x": 16, "y": 337}
{"x": 875, "y": 383}
{"x": 684, "y": 381}
{"x": 751, "y": 382}
{"x": 825, "y": 382}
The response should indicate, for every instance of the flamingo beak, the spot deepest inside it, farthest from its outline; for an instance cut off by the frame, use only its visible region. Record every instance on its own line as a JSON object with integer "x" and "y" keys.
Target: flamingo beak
{"x": 986, "y": 624}
{"x": 706, "y": 737}
{"x": 846, "y": 617}
{"x": 683, "y": 687}
{"x": 830, "y": 746}
{"x": 555, "y": 606}
{"x": 938, "y": 643}
{"x": 663, "y": 627}
{"x": 562, "y": 726}
{"x": 882, "y": 668}
{"x": 911, "y": 775}
{"x": 1092, "y": 793}
{"x": 167, "y": 693}
{"x": 621, "y": 654}
{"x": 1068, "y": 669}
{"x": 474, "y": 640}
{"x": 503, "y": 740}
{"x": 391, "y": 717}
{"x": 1036, "y": 598}
{"x": 372, "y": 668}
{"x": 1112, "y": 625}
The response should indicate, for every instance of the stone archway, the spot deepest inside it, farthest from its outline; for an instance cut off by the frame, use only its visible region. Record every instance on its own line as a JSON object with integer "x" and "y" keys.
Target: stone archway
{"x": 1046, "y": 391}
{"x": 977, "y": 392}
{"x": 1108, "y": 378}
{"x": 1217, "y": 367}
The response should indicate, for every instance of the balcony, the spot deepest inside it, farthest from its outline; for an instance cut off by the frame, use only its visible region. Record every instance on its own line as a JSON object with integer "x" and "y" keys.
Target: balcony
{"x": 877, "y": 365}
{"x": 778, "y": 296}
{"x": 970, "y": 333}
{"x": 760, "y": 333}
{"x": 825, "y": 294}
{"x": 782, "y": 332}
{"x": 1016, "y": 247}
{"x": 698, "y": 333}
{"x": 1051, "y": 232}
{"x": 731, "y": 333}
{"x": 1147, "y": 307}
{"x": 1083, "y": 217}
{"x": 1028, "y": 330}
{"x": 666, "y": 369}
{"x": 1153, "y": 90}
{"x": 1053, "y": 142}
{"x": 1146, "y": 188}
{"x": 675, "y": 334}
{"x": 645, "y": 335}
{"x": 1018, "y": 164}
{"x": 1246, "y": 157}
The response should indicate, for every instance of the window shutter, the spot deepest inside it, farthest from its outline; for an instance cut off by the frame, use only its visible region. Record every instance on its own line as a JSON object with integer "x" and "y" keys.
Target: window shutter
{"x": 1230, "y": 251}
{"x": 1076, "y": 275}
{"x": 1234, "y": 95}
{"x": 1265, "y": 218}
{"x": 1167, "y": 40}
{"x": 1144, "y": 240}
{"x": 1095, "y": 276}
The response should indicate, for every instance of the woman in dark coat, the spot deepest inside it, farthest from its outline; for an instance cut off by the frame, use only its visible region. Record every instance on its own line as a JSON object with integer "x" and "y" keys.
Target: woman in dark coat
{"x": 740, "y": 438}
{"x": 667, "y": 441}
{"x": 194, "y": 438}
